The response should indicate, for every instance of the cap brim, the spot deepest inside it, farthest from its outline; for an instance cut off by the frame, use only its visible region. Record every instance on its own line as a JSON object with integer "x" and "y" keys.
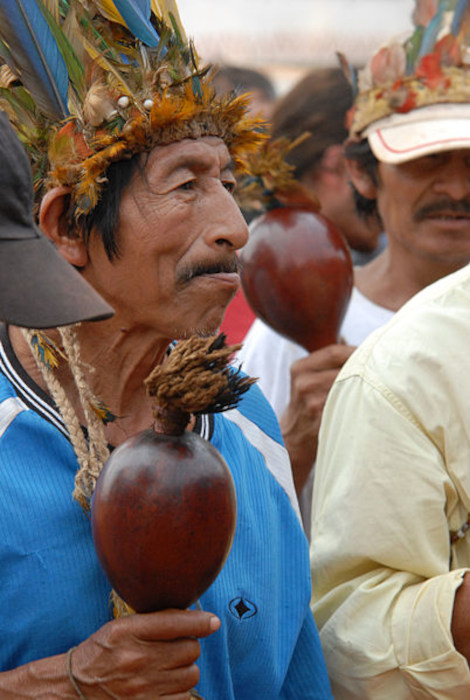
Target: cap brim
{"x": 38, "y": 289}
{"x": 403, "y": 137}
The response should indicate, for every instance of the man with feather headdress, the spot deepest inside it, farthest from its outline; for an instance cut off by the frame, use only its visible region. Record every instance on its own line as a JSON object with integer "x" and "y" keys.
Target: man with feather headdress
{"x": 390, "y": 548}
{"x": 133, "y": 160}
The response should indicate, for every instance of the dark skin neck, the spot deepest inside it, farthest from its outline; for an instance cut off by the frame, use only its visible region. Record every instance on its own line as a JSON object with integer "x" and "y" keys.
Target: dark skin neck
{"x": 391, "y": 283}
{"x": 121, "y": 361}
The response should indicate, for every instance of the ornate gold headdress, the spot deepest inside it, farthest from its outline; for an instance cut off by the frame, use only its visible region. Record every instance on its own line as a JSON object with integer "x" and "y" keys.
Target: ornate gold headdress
{"x": 90, "y": 82}
{"x": 430, "y": 66}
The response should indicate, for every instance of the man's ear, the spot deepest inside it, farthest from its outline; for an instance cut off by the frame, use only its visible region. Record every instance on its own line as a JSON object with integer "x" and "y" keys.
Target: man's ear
{"x": 361, "y": 180}
{"x": 332, "y": 159}
{"x": 55, "y": 225}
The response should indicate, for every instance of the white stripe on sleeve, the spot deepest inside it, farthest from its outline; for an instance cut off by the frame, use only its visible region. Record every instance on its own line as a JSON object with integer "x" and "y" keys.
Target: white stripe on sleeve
{"x": 9, "y": 409}
{"x": 275, "y": 455}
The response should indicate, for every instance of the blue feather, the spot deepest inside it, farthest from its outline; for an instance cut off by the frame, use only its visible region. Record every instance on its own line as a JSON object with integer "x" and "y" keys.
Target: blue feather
{"x": 34, "y": 55}
{"x": 431, "y": 32}
{"x": 459, "y": 13}
{"x": 136, "y": 15}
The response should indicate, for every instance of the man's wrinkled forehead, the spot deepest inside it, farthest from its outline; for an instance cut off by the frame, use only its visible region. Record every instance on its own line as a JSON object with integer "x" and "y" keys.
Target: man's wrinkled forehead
{"x": 190, "y": 154}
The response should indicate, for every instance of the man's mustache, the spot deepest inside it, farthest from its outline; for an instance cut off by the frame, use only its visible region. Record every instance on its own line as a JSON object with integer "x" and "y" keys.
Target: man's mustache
{"x": 208, "y": 268}
{"x": 444, "y": 206}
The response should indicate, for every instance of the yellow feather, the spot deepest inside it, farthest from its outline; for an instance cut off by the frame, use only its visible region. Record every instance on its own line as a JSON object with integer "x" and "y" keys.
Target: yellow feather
{"x": 171, "y": 109}
{"x": 7, "y": 77}
{"x": 154, "y": 6}
{"x": 107, "y": 66}
{"x": 163, "y": 9}
{"x": 108, "y": 10}
{"x": 72, "y": 30}
{"x": 53, "y": 7}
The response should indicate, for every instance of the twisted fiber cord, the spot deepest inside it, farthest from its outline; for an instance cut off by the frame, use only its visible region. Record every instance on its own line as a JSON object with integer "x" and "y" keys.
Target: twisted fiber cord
{"x": 90, "y": 454}
{"x": 62, "y": 402}
{"x": 97, "y": 449}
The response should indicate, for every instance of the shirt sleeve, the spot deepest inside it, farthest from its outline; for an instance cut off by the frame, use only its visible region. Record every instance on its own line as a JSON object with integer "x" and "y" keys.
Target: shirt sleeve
{"x": 380, "y": 552}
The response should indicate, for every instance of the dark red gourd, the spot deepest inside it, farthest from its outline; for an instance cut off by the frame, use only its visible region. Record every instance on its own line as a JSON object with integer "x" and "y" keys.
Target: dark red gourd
{"x": 163, "y": 518}
{"x": 297, "y": 275}
{"x": 164, "y": 507}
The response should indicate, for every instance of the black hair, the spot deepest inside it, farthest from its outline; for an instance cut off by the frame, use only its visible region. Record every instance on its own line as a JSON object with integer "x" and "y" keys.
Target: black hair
{"x": 242, "y": 79}
{"x": 317, "y": 104}
{"x": 104, "y": 218}
{"x": 360, "y": 152}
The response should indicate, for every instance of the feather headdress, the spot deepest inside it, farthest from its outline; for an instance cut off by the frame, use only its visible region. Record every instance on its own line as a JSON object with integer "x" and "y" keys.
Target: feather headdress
{"x": 270, "y": 181}
{"x": 431, "y": 65}
{"x": 90, "y": 82}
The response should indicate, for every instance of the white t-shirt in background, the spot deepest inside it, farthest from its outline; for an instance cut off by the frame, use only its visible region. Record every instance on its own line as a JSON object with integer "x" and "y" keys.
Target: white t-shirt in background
{"x": 268, "y": 355}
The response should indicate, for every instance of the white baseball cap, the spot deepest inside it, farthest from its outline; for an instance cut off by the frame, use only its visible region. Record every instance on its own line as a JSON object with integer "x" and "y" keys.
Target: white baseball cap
{"x": 420, "y": 132}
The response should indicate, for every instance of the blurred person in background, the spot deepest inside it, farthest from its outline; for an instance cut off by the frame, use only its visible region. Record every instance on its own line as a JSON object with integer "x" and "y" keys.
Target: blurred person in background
{"x": 297, "y": 383}
{"x": 390, "y": 552}
{"x": 240, "y": 80}
{"x": 318, "y": 104}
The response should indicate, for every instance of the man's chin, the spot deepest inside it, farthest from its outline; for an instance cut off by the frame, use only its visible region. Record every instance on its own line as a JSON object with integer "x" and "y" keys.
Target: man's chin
{"x": 201, "y": 331}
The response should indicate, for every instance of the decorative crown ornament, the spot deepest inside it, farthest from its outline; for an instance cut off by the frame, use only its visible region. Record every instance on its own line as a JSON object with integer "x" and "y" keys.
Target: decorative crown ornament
{"x": 431, "y": 65}
{"x": 90, "y": 82}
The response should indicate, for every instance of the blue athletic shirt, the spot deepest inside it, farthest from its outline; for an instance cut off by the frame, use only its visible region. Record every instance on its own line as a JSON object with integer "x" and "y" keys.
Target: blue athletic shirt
{"x": 53, "y": 593}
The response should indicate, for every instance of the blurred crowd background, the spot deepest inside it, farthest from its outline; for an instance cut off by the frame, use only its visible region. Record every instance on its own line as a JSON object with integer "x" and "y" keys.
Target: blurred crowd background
{"x": 285, "y": 55}
{"x": 285, "y": 39}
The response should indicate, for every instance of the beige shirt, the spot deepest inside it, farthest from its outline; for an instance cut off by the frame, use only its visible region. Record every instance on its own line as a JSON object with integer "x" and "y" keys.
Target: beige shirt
{"x": 392, "y": 481}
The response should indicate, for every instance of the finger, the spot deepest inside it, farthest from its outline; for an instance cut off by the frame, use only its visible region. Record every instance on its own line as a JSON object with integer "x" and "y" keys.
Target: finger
{"x": 327, "y": 357}
{"x": 178, "y": 681}
{"x": 174, "y": 624}
{"x": 152, "y": 682}
{"x": 313, "y": 387}
{"x": 181, "y": 652}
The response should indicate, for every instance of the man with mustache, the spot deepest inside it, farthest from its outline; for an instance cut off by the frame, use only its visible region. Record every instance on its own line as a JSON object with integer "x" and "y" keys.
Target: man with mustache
{"x": 135, "y": 186}
{"x": 390, "y": 547}
{"x": 408, "y": 202}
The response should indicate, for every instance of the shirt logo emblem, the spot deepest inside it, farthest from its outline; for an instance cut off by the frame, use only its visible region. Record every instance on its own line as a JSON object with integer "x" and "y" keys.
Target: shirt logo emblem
{"x": 242, "y": 609}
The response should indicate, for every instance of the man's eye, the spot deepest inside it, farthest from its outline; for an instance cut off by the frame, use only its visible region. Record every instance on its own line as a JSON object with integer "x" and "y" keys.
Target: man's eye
{"x": 433, "y": 159}
{"x": 229, "y": 186}
{"x": 186, "y": 185}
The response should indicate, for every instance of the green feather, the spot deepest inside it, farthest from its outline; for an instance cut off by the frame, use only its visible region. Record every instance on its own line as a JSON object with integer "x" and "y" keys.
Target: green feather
{"x": 176, "y": 29}
{"x": 412, "y": 49}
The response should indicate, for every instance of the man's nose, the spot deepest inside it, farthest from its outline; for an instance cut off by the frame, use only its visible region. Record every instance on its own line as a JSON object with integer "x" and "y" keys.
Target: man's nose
{"x": 454, "y": 180}
{"x": 227, "y": 227}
